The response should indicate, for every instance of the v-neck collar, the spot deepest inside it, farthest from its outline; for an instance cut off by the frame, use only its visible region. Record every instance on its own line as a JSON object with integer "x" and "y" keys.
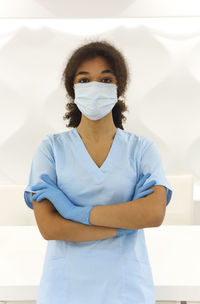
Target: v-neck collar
{"x": 88, "y": 163}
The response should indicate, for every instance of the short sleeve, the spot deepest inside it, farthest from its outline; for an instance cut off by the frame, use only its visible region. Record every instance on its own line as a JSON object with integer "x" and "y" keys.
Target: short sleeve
{"x": 42, "y": 162}
{"x": 150, "y": 161}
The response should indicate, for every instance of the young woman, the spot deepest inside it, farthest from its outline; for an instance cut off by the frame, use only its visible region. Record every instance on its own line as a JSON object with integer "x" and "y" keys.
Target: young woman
{"x": 94, "y": 188}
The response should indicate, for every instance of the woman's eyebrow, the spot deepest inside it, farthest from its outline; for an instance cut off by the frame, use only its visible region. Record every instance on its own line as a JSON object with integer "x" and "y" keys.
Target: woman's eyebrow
{"x": 102, "y": 72}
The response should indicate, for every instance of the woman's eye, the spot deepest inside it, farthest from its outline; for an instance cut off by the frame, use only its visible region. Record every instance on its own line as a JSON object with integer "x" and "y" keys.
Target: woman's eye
{"x": 82, "y": 79}
{"x": 108, "y": 79}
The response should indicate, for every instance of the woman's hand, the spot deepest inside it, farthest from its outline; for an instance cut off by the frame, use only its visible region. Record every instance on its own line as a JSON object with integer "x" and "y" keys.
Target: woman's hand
{"x": 61, "y": 202}
{"x": 140, "y": 191}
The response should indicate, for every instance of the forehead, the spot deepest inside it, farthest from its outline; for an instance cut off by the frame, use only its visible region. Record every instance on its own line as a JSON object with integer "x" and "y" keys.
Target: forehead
{"x": 94, "y": 63}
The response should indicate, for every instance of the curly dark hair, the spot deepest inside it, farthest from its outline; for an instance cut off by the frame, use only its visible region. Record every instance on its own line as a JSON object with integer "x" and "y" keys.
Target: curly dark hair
{"x": 117, "y": 62}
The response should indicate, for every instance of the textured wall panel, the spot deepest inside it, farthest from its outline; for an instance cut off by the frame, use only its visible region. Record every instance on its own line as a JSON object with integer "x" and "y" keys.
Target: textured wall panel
{"x": 98, "y": 9}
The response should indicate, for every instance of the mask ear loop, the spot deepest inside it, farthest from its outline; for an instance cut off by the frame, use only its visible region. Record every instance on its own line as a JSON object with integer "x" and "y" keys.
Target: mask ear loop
{"x": 121, "y": 98}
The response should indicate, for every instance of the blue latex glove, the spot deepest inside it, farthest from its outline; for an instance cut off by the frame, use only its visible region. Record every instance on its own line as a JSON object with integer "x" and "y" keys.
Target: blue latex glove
{"x": 140, "y": 191}
{"x": 61, "y": 202}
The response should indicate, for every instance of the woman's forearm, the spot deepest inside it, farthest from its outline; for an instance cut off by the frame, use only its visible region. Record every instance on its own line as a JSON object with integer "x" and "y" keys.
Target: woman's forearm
{"x": 67, "y": 230}
{"x": 137, "y": 214}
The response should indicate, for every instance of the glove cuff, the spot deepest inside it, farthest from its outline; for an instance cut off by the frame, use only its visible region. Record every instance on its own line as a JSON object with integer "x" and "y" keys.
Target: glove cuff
{"x": 83, "y": 214}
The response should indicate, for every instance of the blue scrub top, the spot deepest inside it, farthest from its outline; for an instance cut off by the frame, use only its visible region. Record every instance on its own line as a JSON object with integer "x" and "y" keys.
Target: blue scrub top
{"x": 110, "y": 271}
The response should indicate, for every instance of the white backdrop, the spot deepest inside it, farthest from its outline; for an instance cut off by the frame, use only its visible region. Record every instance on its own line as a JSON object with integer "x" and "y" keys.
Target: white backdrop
{"x": 163, "y": 97}
{"x": 98, "y": 9}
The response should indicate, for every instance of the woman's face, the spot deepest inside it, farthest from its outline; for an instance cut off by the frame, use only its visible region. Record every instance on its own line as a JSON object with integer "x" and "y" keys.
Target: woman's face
{"x": 96, "y": 69}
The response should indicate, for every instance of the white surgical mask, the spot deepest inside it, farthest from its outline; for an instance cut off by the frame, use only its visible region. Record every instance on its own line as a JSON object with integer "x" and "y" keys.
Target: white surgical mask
{"x": 95, "y": 99}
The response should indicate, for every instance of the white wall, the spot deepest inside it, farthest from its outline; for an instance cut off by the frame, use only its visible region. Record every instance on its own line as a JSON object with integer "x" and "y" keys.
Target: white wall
{"x": 98, "y": 9}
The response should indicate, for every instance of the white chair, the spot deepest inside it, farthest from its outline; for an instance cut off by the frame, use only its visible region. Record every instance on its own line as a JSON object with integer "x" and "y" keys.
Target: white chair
{"x": 14, "y": 211}
{"x": 180, "y": 210}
